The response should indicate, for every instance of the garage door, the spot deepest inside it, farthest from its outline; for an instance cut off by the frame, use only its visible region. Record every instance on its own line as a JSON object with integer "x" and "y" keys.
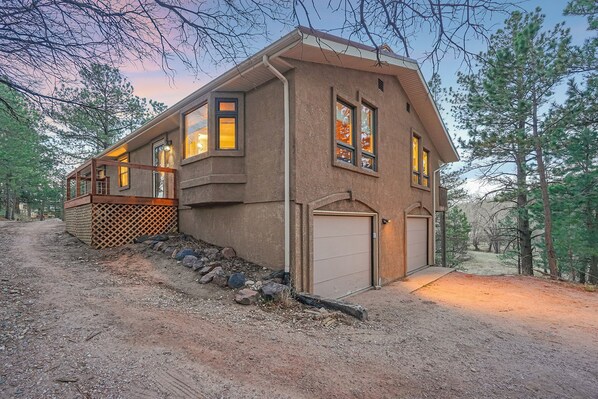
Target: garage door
{"x": 417, "y": 243}
{"x": 342, "y": 255}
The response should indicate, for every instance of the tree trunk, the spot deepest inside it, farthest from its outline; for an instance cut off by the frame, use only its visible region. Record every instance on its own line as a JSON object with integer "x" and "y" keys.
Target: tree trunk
{"x": 7, "y": 201}
{"x": 523, "y": 230}
{"x": 593, "y": 274}
{"x": 550, "y": 252}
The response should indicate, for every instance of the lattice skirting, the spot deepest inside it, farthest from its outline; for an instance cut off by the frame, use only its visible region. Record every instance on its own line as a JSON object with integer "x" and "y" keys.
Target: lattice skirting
{"x": 112, "y": 225}
{"x": 78, "y": 222}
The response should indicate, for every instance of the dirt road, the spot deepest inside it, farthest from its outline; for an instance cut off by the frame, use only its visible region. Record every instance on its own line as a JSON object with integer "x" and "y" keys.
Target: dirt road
{"x": 79, "y": 323}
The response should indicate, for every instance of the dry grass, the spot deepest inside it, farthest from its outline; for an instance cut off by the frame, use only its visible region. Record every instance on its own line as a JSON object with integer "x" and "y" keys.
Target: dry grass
{"x": 486, "y": 264}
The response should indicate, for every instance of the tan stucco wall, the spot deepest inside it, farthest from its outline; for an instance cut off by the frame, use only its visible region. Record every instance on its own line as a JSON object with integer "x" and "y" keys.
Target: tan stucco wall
{"x": 254, "y": 230}
{"x": 390, "y": 193}
{"x": 140, "y": 181}
{"x": 254, "y": 225}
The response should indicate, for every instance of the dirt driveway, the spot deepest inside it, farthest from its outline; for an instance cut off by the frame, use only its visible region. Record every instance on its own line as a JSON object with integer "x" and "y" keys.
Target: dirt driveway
{"x": 101, "y": 324}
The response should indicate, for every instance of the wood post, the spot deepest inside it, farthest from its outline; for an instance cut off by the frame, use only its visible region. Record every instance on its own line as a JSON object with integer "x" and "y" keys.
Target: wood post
{"x": 93, "y": 176}
{"x": 68, "y": 188}
{"x": 78, "y": 181}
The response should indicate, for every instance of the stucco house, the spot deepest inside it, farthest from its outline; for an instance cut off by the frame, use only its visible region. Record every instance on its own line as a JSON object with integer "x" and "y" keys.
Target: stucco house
{"x": 316, "y": 155}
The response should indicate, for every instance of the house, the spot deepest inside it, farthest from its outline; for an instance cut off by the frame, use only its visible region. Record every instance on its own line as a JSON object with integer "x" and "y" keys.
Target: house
{"x": 317, "y": 156}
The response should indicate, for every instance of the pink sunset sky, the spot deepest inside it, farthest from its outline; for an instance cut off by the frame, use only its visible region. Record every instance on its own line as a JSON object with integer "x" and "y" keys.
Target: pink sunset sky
{"x": 150, "y": 81}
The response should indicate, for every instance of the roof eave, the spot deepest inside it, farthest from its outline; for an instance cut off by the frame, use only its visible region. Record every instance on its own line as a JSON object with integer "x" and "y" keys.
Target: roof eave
{"x": 294, "y": 37}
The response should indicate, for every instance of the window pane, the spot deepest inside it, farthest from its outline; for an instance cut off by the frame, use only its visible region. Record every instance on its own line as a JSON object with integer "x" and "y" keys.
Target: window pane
{"x": 196, "y": 131}
{"x": 367, "y": 162}
{"x": 227, "y": 128}
{"x": 123, "y": 173}
{"x": 415, "y": 178}
{"x": 344, "y": 154}
{"x": 367, "y": 129}
{"x": 425, "y": 162}
{"x": 415, "y": 154}
{"x": 344, "y": 123}
{"x": 425, "y": 181}
{"x": 228, "y": 106}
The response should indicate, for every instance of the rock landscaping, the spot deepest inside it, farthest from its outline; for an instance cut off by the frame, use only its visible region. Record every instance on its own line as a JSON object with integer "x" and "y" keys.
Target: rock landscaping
{"x": 222, "y": 267}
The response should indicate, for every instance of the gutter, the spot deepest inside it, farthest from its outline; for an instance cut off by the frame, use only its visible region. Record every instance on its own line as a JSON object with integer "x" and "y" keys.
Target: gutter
{"x": 287, "y": 177}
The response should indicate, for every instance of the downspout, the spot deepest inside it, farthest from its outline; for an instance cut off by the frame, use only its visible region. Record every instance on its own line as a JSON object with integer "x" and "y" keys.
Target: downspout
{"x": 434, "y": 202}
{"x": 287, "y": 162}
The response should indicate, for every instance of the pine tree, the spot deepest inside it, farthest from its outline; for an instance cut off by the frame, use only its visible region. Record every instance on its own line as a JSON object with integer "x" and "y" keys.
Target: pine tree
{"x": 99, "y": 112}
{"x": 27, "y": 163}
{"x": 504, "y": 118}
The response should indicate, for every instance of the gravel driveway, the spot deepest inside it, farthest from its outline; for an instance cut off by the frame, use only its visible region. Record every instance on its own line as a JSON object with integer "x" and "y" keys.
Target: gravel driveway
{"x": 126, "y": 323}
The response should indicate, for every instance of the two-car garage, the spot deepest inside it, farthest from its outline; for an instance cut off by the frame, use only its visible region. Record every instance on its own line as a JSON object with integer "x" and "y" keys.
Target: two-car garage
{"x": 344, "y": 251}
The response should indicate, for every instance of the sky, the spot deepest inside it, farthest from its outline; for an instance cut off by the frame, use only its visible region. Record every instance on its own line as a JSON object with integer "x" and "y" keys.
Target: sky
{"x": 151, "y": 82}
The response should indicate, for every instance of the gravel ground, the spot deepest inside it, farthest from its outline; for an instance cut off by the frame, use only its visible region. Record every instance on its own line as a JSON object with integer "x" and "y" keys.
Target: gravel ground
{"x": 131, "y": 323}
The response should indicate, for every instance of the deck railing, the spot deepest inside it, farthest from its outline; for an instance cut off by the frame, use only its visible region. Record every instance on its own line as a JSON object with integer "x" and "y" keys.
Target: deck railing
{"x": 91, "y": 180}
{"x": 105, "y": 216}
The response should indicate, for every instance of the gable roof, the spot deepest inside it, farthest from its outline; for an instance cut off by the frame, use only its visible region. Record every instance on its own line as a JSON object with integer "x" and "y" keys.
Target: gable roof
{"x": 314, "y": 46}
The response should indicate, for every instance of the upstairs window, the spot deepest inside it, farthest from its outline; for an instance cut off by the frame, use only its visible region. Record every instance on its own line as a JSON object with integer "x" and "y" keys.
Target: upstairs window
{"x": 415, "y": 146}
{"x": 426, "y": 168}
{"x": 420, "y": 163}
{"x": 123, "y": 172}
{"x": 196, "y": 131}
{"x": 345, "y": 132}
{"x": 226, "y": 124}
{"x": 368, "y": 137}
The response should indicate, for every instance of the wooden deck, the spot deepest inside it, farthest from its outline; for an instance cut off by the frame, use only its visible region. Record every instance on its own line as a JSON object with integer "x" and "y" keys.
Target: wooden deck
{"x": 103, "y": 220}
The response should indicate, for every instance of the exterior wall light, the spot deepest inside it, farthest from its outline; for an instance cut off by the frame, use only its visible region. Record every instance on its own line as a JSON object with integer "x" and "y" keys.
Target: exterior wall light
{"x": 385, "y": 221}
{"x": 168, "y": 145}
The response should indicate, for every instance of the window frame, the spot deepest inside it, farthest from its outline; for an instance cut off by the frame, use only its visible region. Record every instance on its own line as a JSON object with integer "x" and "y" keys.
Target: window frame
{"x": 356, "y": 105}
{"x": 372, "y": 155}
{"x": 126, "y": 156}
{"x": 184, "y": 130}
{"x": 213, "y": 151}
{"x": 420, "y": 173}
{"x": 342, "y": 144}
{"x": 425, "y": 164}
{"x": 225, "y": 114}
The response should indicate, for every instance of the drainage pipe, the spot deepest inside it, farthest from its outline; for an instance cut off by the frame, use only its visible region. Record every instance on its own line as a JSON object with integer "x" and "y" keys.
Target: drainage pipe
{"x": 287, "y": 162}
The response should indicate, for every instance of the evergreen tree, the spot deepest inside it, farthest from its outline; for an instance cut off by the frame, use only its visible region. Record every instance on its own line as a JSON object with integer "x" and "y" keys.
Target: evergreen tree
{"x": 503, "y": 114}
{"x": 457, "y": 237}
{"x": 99, "y": 112}
{"x": 27, "y": 163}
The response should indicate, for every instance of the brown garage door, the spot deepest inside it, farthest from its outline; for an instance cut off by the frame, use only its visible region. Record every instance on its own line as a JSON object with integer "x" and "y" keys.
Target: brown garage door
{"x": 342, "y": 255}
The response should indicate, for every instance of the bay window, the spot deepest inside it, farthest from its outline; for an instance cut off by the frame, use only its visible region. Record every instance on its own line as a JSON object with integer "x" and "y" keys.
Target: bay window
{"x": 196, "y": 131}
{"x": 226, "y": 124}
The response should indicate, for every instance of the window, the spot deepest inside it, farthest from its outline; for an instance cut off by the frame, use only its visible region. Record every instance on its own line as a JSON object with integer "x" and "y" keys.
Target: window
{"x": 196, "y": 131}
{"x": 416, "y": 175}
{"x": 226, "y": 124}
{"x": 345, "y": 132}
{"x": 426, "y": 168}
{"x": 123, "y": 172}
{"x": 368, "y": 137}
{"x": 420, "y": 163}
